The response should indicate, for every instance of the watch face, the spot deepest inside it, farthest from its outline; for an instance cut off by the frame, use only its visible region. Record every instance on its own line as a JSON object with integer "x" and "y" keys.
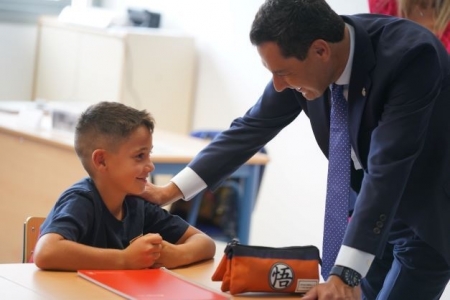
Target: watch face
{"x": 348, "y": 276}
{"x": 351, "y": 277}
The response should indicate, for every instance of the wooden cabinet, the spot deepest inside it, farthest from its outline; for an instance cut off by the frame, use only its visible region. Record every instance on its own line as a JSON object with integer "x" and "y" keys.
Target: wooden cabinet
{"x": 146, "y": 68}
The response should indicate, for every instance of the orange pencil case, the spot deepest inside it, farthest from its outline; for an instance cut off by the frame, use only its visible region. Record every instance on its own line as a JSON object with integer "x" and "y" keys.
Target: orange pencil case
{"x": 245, "y": 268}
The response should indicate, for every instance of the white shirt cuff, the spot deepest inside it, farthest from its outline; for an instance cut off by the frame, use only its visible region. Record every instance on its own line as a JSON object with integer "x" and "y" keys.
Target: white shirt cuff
{"x": 189, "y": 183}
{"x": 354, "y": 259}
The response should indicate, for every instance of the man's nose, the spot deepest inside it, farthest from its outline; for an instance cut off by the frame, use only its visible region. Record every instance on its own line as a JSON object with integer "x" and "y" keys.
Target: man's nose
{"x": 279, "y": 84}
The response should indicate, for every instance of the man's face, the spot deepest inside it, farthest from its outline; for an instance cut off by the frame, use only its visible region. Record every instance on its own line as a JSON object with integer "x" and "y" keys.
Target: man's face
{"x": 310, "y": 77}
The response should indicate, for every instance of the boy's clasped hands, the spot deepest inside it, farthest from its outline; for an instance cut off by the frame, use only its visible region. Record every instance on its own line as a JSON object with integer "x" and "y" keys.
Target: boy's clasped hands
{"x": 144, "y": 251}
{"x": 151, "y": 251}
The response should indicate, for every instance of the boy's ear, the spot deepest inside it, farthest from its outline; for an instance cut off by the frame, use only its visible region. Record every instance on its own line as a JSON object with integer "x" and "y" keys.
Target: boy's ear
{"x": 99, "y": 159}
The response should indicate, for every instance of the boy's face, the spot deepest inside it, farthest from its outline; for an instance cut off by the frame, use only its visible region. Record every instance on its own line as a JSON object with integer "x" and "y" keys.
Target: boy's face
{"x": 128, "y": 168}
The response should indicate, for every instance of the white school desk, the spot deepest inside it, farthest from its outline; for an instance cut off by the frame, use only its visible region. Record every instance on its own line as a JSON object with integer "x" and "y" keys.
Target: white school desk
{"x": 37, "y": 165}
{"x": 26, "y": 281}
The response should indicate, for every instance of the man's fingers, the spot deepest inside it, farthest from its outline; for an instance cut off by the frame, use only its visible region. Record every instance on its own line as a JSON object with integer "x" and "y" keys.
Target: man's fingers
{"x": 311, "y": 294}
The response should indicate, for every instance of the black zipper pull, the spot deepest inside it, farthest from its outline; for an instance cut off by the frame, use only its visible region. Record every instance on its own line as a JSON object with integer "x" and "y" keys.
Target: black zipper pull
{"x": 229, "y": 248}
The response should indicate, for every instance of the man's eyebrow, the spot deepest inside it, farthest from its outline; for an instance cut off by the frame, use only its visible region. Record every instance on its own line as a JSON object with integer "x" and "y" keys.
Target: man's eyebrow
{"x": 276, "y": 72}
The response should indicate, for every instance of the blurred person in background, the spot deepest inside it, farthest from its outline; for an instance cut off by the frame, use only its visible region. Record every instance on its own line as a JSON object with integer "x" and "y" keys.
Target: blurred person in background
{"x": 432, "y": 14}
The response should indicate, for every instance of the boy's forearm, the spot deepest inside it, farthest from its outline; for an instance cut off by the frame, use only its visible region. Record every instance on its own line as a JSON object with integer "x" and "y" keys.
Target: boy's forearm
{"x": 71, "y": 256}
{"x": 196, "y": 248}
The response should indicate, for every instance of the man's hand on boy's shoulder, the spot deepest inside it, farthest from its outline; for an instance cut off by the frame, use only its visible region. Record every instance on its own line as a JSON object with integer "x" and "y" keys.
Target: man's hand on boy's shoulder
{"x": 143, "y": 251}
{"x": 161, "y": 195}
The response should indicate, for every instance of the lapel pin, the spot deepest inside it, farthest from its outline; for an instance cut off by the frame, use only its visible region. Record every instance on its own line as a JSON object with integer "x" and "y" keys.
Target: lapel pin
{"x": 363, "y": 92}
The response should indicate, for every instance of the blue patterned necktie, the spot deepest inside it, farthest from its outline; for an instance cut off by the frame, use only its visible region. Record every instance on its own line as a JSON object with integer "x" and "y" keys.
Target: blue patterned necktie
{"x": 338, "y": 182}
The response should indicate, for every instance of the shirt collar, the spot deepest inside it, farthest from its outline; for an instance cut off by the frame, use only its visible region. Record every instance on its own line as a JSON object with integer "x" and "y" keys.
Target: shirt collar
{"x": 344, "y": 79}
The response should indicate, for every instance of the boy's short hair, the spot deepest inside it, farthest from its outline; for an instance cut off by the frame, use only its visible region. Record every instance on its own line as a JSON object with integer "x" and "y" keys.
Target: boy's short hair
{"x": 107, "y": 125}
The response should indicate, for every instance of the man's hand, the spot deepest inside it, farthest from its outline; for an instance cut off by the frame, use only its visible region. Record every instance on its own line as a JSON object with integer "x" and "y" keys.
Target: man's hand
{"x": 161, "y": 195}
{"x": 143, "y": 252}
{"x": 333, "y": 289}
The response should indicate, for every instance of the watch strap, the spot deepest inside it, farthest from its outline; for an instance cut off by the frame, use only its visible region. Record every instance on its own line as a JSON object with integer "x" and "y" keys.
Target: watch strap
{"x": 349, "y": 276}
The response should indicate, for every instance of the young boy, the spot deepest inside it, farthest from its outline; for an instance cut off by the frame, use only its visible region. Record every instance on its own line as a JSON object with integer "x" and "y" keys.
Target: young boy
{"x": 97, "y": 223}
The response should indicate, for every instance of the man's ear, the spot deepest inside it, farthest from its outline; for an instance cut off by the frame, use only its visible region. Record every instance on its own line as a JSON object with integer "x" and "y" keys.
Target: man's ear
{"x": 99, "y": 159}
{"x": 321, "y": 49}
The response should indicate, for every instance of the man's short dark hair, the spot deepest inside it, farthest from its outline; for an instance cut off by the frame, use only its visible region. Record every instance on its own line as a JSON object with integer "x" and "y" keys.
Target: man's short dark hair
{"x": 295, "y": 24}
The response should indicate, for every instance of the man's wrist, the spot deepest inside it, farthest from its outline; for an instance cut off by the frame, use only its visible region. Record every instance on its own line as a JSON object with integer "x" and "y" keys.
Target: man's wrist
{"x": 355, "y": 259}
{"x": 189, "y": 183}
{"x": 349, "y": 276}
{"x": 170, "y": 194}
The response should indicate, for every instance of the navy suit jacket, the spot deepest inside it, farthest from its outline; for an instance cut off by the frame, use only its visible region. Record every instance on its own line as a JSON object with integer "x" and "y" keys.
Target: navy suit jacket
{"x": 399, "y": 106}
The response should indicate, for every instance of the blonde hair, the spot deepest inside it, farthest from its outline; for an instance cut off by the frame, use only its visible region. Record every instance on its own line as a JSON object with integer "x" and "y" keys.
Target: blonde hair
{"x": 441, "y": 10}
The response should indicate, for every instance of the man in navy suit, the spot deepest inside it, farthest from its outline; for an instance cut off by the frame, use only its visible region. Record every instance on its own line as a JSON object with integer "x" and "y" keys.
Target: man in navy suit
{"x": 397, "y": 85}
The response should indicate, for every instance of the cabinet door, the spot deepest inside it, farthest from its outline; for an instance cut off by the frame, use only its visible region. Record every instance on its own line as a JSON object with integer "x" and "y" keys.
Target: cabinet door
{"x": 56, "y": 64}
{"x": 99, "y": 74}
{"x": 146, "y": 69}
{"x": 160, "y": 78}
{"x": 76, "y": 65}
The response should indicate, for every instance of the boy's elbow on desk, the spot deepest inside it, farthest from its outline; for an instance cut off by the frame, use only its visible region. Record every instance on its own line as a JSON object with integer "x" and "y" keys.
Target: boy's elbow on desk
{"x": 42, "y": 254}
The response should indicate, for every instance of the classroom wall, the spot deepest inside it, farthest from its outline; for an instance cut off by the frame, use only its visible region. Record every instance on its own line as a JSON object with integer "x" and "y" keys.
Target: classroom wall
{"x": 17, "y": 53}
{"x": 289, "y": 210}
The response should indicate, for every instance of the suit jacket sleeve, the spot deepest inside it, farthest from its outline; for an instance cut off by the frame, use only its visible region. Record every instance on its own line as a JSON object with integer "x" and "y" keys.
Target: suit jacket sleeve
{"x": 246, "y": 135}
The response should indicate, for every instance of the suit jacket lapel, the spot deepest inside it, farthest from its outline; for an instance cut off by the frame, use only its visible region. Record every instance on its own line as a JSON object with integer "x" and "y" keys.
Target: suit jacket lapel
{"x": 360, "y": 81}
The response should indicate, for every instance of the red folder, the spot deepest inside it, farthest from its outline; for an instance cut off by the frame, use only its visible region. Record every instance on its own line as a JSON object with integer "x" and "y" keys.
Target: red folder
{"x": 150, "y": 284}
